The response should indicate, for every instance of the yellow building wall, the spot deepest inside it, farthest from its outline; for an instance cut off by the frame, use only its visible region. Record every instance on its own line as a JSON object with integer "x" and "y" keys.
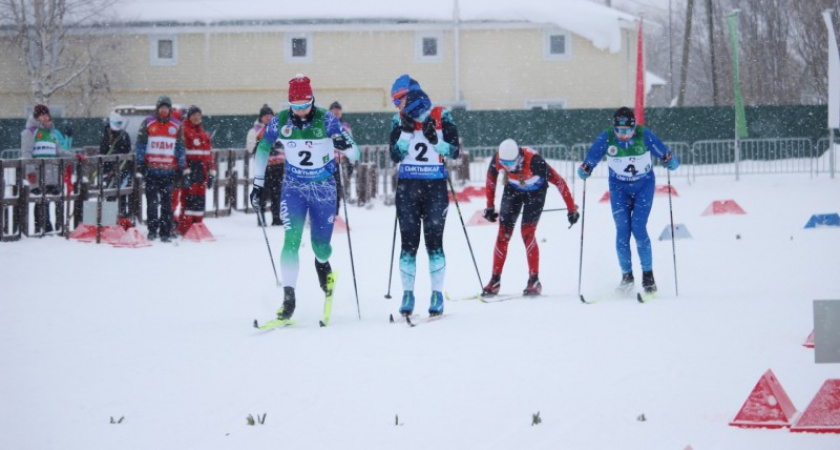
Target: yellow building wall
{"x": 236, "y": 72}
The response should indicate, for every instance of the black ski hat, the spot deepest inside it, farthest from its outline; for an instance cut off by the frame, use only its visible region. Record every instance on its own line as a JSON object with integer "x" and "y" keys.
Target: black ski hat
{"x": 266, "y": 110}
{"x": 163, "y": 100}
{"x": 192, "y": 110}
{"x": 624, "y": 117}
{"x": 335, "y": 105}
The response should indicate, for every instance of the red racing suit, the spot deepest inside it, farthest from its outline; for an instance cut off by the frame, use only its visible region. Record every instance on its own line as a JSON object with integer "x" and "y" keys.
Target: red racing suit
{"x": 524, "y": 192}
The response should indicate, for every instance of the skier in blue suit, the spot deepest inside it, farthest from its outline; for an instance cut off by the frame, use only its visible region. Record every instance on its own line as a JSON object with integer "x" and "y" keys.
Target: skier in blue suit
{"x": 628, "y": 149}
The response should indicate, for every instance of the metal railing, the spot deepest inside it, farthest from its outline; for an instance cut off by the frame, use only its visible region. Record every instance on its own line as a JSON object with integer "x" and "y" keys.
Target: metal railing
{"x": 376, "y": 174}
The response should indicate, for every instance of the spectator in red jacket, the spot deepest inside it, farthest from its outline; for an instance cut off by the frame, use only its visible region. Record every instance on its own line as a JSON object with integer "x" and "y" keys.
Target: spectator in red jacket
{"x": 200, "y": 172}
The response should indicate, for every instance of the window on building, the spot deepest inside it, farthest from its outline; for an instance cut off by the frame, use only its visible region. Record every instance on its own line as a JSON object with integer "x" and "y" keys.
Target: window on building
{"x": 298, "y": 47}
{"x": 428, "y": 46}
{"x": 557, "y": 44}
{"x": 163, "y": 50}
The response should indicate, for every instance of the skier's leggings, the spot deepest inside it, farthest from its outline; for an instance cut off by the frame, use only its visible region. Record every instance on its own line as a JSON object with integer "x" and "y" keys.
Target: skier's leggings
{"x": 631, "y": 202}
{"x": 318, "y": 198}
{"x": 530, "y": 203}
{"x": 426, "y": 202}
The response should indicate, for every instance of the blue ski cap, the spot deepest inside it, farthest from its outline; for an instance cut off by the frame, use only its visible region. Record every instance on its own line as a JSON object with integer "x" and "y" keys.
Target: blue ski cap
{"x": 401, "y": 86}
{"x": 417, "y": 104}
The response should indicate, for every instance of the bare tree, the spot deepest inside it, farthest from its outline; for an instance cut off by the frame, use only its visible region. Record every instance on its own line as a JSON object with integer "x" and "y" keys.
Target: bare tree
{"x": 57, "y": 42}
{"x": 782, "y": 44}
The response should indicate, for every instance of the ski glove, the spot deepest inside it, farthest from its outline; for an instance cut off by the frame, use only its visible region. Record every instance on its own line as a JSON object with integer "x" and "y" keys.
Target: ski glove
{"x": 491, "y": 214}
{"x": 256, "y": 196}
{"x": 573, "y": 217}
{"x": 407, "y": 124}
{"x": 430, "y": 132}
{"x": 211, "y": 181}
{"x": 670, "y": 161}
{"x": 343, "y": 141}
{"x": 584, "y": 171}
{"x": 141, "y": 172}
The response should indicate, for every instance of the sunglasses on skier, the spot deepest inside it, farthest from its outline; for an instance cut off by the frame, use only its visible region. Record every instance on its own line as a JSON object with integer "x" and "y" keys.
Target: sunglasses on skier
{"x": 623, "y": 130}
{"x": 507, "y": 162}
{"x": 301, "y": 106}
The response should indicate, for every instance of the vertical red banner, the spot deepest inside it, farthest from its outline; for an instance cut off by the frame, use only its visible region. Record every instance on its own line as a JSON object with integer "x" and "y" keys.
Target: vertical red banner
{"x": 639, "y": 109}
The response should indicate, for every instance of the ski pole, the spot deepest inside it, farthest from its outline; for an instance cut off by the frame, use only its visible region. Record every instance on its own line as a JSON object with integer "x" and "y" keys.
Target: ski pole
{"x": 582, "y": 222}
{"x": 393, "y": 247}
{"x": 673, "y": 243}
{"x": 554, "y": 209}
{"x": 460, "y": 216}
{"x": 261, "y": 219}
{"x": 350, "y": 245}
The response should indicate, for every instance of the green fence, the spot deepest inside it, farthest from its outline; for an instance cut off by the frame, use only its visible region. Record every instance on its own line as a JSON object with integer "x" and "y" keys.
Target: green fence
{"x": 532, "y": 127}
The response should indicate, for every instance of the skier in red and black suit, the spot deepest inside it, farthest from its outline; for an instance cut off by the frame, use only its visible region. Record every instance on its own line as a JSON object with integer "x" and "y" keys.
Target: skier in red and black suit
{"x": 200, "y": 172}
{"x": 526, "y": 173}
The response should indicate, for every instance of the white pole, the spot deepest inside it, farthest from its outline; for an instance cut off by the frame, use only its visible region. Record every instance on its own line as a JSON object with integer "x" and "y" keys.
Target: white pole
{"x": 833, "y": 89}
{"x": 832, "y": 157}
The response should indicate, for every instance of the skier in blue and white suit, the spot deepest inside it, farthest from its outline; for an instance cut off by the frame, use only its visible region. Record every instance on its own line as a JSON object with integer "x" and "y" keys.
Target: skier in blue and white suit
{"x": 628, "y": 148}
{"x": 309, "y": 135}
{"x": 421, "y": 137}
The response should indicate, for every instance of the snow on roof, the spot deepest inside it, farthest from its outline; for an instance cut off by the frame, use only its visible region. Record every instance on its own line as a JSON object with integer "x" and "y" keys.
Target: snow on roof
{"x": 652, "y": 80}
{"x": 597, "y": 23}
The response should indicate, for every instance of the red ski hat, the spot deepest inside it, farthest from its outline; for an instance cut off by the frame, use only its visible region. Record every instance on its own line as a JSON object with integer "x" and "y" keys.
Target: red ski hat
{"x": 299, "y": 89}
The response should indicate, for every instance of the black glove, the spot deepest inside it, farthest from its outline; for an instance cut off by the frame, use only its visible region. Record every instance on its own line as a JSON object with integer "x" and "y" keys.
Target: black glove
{"x": 573, "y": 217}
{"x": 185, "y": 179}
{"x": 430, "y": 131}
{"x": 343, "y": 141}
{"x": 256, "y": 197}
{"x": 142, "y": 171}
{"x": 407, "y": 124}
{"x": 211, "y": 181}
{"x": 491, "y": 214}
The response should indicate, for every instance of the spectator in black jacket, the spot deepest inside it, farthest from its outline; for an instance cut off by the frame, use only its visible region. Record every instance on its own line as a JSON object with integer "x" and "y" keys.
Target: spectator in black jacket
{"x": 115, "y": 141}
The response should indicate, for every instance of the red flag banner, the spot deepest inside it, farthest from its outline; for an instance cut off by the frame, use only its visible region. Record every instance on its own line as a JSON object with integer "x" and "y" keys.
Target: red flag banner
{"x": 639, "y": 110}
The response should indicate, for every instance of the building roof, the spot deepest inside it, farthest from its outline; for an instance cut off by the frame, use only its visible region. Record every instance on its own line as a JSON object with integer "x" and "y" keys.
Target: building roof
{"x": 599, "y": 24}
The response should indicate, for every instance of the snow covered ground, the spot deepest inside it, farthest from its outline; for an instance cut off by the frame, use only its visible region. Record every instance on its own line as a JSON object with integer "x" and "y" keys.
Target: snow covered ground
{"x": 162, "y": 336}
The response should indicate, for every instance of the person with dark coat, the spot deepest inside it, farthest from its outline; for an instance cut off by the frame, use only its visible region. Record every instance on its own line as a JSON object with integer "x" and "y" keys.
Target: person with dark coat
{"x": 160, "y": 159}
{"x": 116, "y": 141}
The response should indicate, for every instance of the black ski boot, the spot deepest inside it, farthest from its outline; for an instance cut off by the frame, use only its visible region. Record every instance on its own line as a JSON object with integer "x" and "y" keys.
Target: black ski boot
{"x": 534, "y": 287}
{"x": 285, "y": 312}
{"x": 324, "y": 270}
{"x": 626, "y": 285}
{"x": 492, "y": 288}
{"x": 648, "y": 284}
